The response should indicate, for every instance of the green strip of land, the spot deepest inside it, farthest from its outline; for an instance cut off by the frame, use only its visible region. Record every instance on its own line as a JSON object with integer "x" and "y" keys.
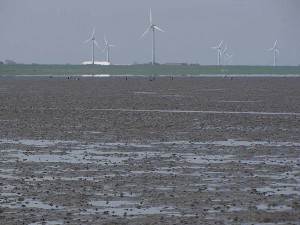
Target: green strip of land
{"x": 37, "y": 69}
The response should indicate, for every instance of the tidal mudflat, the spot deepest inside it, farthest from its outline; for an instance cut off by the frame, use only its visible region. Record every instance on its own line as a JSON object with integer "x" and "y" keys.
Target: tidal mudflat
{"x": 180, "y": 150}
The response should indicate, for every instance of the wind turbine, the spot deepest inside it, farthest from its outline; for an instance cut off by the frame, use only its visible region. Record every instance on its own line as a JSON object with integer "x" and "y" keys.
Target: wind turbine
{"x": 153, "y": 27}
{"x": 107, "y": 45}
{"x": 275, "y": 50}
{"x": 93, "y": 42}
{"x": 224, "y": 54}
{"x": 219, "y": 51}
{"x": 230, "y": 58}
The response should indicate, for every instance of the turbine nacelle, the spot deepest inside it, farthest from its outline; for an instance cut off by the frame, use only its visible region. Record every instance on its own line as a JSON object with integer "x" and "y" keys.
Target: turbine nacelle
{"x": 152, "y": 26}
{"x": 92, "y": 38}
{"x": 274, "y": 48}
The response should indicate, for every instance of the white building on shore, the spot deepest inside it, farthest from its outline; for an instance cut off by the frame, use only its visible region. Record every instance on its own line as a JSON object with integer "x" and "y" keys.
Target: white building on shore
{"x": 104, "y": 63}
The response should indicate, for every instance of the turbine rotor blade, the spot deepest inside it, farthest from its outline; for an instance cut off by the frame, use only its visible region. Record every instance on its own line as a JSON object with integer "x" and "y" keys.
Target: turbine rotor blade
{"x": 112, "y": 46}
{"x": 96, "y": 43}
{"x": 275, "y": 43}
{"x": 104, "y": 48}
{"x": 220, "y": 44}
{"x": 277, "y": 51}
{"x": 87, "y": 40}
{"x": 105, "y": 40}
{"x": 150, "y": 17}
{"x": 146, "y": 31}
{"x": 93, "y": 31}
{"x": 270, "y": 49}
{"x": 157, "y": 28}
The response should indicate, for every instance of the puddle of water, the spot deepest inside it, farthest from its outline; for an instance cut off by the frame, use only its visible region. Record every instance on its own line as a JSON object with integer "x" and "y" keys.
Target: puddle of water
{"x": 126, "y": 144}
{"x": 8, "y": 174}
{"x": 85, "y": 154}
{"x": 277, "y": 223}
{"x": 35, "y": 143}
{"x": 124, "y": 194}
{"x": 214, "y": 89}
{"x": 204, "y": 159}
{"x": 111, "y": 203}
{"x": 93, "y": 132}
{"x": 158, "y": 171}
{"x": 144, "y": 93}
{"x": 274, "y": 161}
{"x": 172, "y": 95}
{"x": 51, "y": 178}
{"x": 279, "y": 190}
{"x": 277, "y": 208}
{"x": 228, "y": 143}
{"x": 93, "y": 154}
{"x": 236, "y": 143}
{"x": 235, "y": 101}
{"x": 166, "y": 188}
{"x": 48, "y": 223}
{"x": 11, "y": 177}
{"x": 7, "y": 194}
{"x": 265, "y": 207}
{"x": 194, "y": 111}
{"x": 13, "y": 120}
{"x": 124, "y": 208}
{"x": 209, "y": 159}
{"x": 182, "y": 111}
{"x": 27, "y": 203}
{"x": 72, "y": 157}
{"x": 7, "y": 188}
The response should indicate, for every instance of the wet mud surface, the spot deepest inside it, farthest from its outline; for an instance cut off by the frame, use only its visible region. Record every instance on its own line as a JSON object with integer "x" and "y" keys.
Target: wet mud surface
{"x": 169, "y": 151}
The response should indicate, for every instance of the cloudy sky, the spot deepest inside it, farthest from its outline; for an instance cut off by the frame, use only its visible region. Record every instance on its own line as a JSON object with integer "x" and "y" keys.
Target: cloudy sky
{"x": 53, "y": 31}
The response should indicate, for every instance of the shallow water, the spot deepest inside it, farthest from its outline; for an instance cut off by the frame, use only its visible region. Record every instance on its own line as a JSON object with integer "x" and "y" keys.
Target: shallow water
{"x": 207, "y": 163}
{"x": 127, "y": 208}
{"x": 48, "y": 223}
{"x": 35, "y": 143}
{"x": 236, "y": 143}
{"x": 27, "y": 203}
{"x": 196, "y": 111}
{"x": 96, "y": 153}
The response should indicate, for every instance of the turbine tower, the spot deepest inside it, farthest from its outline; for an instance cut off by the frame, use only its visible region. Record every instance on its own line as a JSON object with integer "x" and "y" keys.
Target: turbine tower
{"x": 93, "y": 42}
{"x": 224, "y": 54}
{"x": 219, "y": 51}
{"x": 153, "y": 27}
{"x": 275, "y": 50}
{"x": 107, "y": 45}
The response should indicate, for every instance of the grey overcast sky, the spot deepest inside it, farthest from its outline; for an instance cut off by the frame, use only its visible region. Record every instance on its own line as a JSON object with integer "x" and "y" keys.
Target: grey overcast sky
{"x": 53, "y": 31}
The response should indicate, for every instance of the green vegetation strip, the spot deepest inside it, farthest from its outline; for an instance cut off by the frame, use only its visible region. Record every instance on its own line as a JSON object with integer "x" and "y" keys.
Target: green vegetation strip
{"x": 22, "y": 69}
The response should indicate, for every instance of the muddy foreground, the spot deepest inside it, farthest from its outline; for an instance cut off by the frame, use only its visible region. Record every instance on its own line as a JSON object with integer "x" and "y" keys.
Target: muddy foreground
{"x": 169, "y": 151}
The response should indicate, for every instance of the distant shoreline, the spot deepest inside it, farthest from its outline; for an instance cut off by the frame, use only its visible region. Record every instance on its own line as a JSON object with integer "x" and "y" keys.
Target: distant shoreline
{"x": 73, "y": 70}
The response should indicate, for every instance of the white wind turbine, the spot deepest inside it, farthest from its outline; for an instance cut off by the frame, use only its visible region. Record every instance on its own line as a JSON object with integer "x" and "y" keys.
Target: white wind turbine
{"x": 219, "y": 51}
{"x": 153, "y": 27}
{"x": 224, "y": 54}
{"x": 107, "y": 46}
{"x": 275, "y": 50}
{"x": 230, "y": 58}
{"x": 93, "y": 42}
